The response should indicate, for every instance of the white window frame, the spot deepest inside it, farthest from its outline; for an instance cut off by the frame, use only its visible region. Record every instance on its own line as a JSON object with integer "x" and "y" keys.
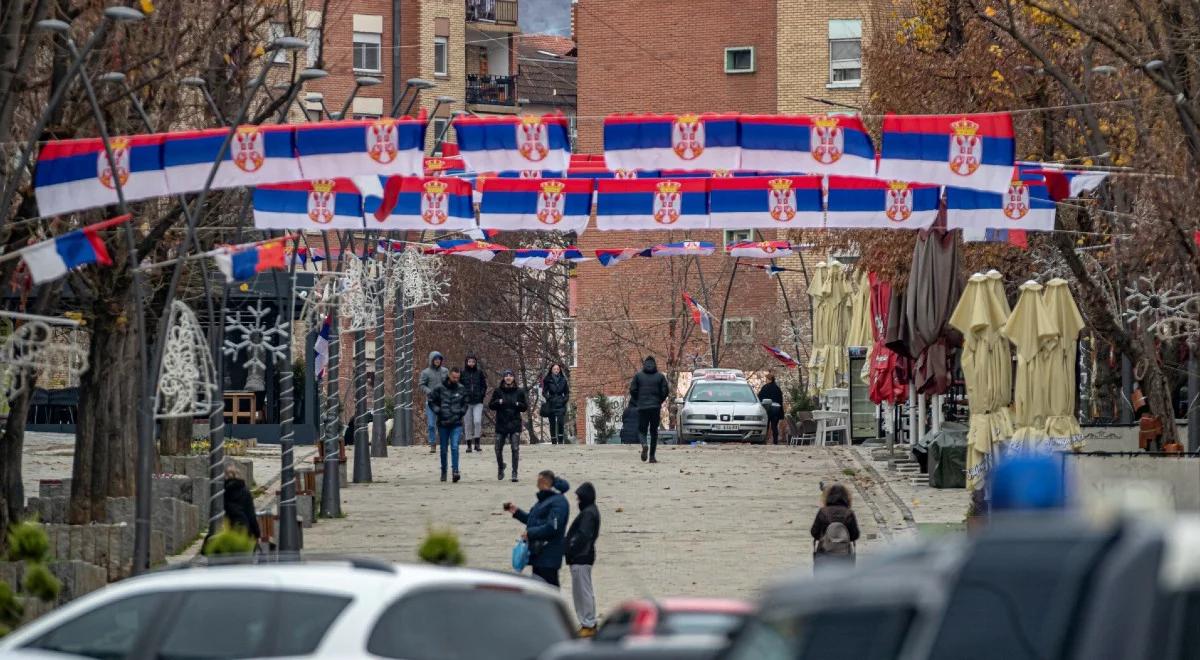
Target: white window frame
{"x": 278, "y": 30}
{"x": 753, "y": 59}
{"x": 728, "y": 338}
{"x": 845, "y": 31}
{"x": 572, "y": 336}
{"x": 313, "y": 37}
{"x": 732, "y": 236}
{"x": 371, "y": 39}
{"x": 442, "y": 43}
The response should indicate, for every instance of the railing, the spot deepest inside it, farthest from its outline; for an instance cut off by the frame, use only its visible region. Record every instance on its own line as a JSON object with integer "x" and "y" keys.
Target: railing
{"x": 492, "y": 11}
{"x": 491, "y": 90}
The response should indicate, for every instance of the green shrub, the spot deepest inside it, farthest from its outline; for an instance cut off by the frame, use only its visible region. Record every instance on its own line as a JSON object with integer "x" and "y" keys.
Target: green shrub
{"x": 229, "y": 541}
{"x": 27, "y": 541}
{"x": 11, "y": 610}
{"x": 441, "y": 547}
{"x": 40, "y": 583}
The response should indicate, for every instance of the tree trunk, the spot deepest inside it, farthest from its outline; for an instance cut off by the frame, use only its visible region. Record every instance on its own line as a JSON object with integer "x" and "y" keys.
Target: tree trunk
{"x": 12, "y": 442}
{"x": 175, "y": 437}
{"x": 106, "y": 434}
{"x": 1156, "y": 388}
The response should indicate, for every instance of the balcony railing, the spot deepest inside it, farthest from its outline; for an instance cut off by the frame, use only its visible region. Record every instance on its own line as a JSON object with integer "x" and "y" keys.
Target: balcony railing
{"x": 492, "y": 11}
{"x": 491, "y": 90}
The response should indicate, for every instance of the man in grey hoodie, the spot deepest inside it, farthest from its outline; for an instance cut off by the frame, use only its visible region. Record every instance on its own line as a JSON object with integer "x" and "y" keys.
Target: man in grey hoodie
{"x": 432, "y": 378}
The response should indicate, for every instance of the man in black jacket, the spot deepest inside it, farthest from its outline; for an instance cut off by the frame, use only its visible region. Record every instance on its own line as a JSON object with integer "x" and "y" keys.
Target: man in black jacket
{"x": 581, "y": 555}
{"x": 647, "y": 392}
{"x": 475, "y": 380}
{"x": 449, "y": 405}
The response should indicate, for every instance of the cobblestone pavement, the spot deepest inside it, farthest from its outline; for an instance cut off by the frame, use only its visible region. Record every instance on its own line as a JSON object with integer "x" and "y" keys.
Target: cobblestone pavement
{"x": 711, "y": 520}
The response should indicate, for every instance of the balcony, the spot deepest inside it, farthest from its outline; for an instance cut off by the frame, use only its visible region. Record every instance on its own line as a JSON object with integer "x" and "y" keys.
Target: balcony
{"x": 492, "y": 90}
{"x": 499, "y": 12}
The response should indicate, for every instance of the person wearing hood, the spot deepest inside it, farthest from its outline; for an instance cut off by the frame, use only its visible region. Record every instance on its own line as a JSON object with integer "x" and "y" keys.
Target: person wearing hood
{"x": 581, "y": 555}
{"x": 771, "y": 392}
{"x": 557, "y": 392}
{"x": 449, "y": 403}
{"x": 545, "y": 526}
{"x": 432, "y": 377}
{"x": 509, "y": 402}
{"x": 475, "y": 380}
{"x": 239, "y": 503}
{"x": 647, "y": 392}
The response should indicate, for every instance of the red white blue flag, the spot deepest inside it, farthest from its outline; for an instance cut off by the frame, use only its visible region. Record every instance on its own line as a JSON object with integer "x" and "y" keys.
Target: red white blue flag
{"x": 240, "y": 263}
{"x": 406, "y": 202}
{"x": 609, "y": 257}
{"x": 699, "y": 314}
{"x": 782, "y": 356}
{"x": 536, "y": 204}
{"x": 761, "y": 249}
{"x": 656, "y": 142}
{"x": 445, "y": 166}
{"x": 652, "y": 204}
{"x": 602, "y": 173}
{"x": 257, "y": 155}
{"x": 530, "y": 174}
{"x": 683, "y": 249}
{"x": 497, "y": 144}
{"x": 543, "y": 259}
{"x": 49, "y": 260}
{"x": 317, "y": 205}
{"x": 481, "y": 250}
{"x": 771, "y": 269}
{"x": 1025, "y": 205}
{"x": 73, "y": 175}
{"x": 765, "y": 202}
{"x": 856, "y": 203}
{"x": 1061, "y": 182}
{"x": 821, "y": 144}
{"x": 331, "y": 149}
{"x": 321, "y": 348}
{"x": 974, "y": 152}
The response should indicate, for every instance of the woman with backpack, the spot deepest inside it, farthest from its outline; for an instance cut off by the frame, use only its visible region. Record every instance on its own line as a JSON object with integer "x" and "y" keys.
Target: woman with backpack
{"x": 835, "y": 529}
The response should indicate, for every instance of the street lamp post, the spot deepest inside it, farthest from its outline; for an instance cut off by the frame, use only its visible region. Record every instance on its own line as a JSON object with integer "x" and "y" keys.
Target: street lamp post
{"x": 359, "y": 83}
{"x": 201, "y": 84}
{"x": 416, "y": 85}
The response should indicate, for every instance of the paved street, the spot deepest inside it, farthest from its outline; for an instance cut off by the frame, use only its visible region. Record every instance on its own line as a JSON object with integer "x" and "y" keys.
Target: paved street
{"x": 704, "y": 521}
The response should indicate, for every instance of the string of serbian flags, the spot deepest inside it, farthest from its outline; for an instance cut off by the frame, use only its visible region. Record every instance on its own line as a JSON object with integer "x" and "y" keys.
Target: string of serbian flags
{"x": 687, "y": 171}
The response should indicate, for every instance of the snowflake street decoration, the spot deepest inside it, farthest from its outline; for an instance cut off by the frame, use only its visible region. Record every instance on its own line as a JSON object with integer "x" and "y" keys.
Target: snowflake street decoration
{"x": 32, "y": 347}
{"x": 419, "y": 278}
{"x": 359, "y": 295}
{"x": 257, "y": 341}
{"x": 318, "y": 302}
{"x": 187, "y": 380}
{"x": 1167, "y": 311}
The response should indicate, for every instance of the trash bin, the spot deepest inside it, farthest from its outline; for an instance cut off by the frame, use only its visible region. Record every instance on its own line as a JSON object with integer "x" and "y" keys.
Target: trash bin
{"x": 948, "y": 457}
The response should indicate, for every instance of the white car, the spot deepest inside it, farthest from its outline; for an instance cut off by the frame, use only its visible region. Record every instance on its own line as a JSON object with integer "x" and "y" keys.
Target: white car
{"x": 721, "y": 405}
{"x": 327, "y": 609}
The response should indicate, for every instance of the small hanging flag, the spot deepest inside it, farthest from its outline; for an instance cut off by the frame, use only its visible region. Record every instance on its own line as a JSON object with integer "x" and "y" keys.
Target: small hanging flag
{"x": 782, "y": 356}
{"x": 761, "y": 249}
{"x": 481, "y": 250}
{"x": 771, "y": 269}
{"x": 699, "y": 314}
{"x": 299, "y": 257}
{"x": 609, "y": 257}
{"x": 240, "y": 264}
{"x": 477, "y": 234}
{"x": 321, "y": 348}
{"x": 683, "y": 249}
{"x": 543, "y": 259}
{"x": 49, "y": 260}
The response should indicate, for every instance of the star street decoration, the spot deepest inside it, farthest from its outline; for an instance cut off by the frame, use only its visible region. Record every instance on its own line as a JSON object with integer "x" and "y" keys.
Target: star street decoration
{"x": 1167, "y": 311}
{"x": 187, "y": 381}
{"x": 33, "y": 347}
{"x": 418, "y": 277}
{"x": 257, "y": 341}
{"x": 359, "y": 298}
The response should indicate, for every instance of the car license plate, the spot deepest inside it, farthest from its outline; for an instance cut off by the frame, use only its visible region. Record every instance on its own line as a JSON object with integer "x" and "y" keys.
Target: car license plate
{"x": 725, "y": 427}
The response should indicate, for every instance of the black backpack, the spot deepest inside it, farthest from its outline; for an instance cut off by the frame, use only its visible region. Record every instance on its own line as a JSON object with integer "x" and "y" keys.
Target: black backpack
{"x": 836, "y": 542}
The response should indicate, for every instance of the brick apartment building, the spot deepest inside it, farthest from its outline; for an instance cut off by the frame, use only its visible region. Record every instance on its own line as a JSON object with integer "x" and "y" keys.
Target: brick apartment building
{"x": 755, "y": 56}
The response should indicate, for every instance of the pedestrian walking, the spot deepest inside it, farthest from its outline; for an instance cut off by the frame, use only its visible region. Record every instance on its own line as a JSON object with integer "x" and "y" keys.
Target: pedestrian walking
{"x": 475, "y": 380}
{"x": 509, "y": 402}
{"x": 648, "y": 391}
{"x": 545, "y": 526}
{"x": 449, "y": 404}
{"x": 835, "y": 529}
{"x": 557, "y": 392}
{"x": 581, "y": 556}
{"x": 432, "y": 377}
{"x": 771, "y": 392}
{"x": 239, "y": 503}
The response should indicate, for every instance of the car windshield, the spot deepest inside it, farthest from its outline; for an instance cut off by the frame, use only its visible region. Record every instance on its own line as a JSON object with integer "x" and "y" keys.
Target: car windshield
{"x": 722, "y": 393}
{"x": 701, "y": 623}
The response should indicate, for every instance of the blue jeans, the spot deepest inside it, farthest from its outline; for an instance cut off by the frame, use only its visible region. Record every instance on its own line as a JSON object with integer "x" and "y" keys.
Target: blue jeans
{"x": 449, "y": 437}
{"x": 431, "y": 425}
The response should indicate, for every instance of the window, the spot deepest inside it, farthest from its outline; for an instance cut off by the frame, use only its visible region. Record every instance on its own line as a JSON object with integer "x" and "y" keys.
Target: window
{"x": 367, "y": 46}
{"x": 739, "y": 59}
{"x": 734, "y": 236}
{"x": 713, "y": 392}
{"x": 110, "y": 631}
{"x": 313, "y": 114}
{"x": 845, "y": 53}
{"x": 572, "y": 346}
{"x": 313, "y": 36}
{"x": 278, "y": 30}
{"x": 417, "y": 626}
{"x": 738, "y": 331}
{"x": 243, "y": 617}
{"x": 438, "y": 125}
{"x": 441, "y": 56}
{"x": 317, "y": 611}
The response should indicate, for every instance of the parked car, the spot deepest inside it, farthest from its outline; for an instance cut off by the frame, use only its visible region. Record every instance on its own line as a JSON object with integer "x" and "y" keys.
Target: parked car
{"x": 670, "y": 617}
{"x": 327, "y": 609}
{"x": 721, "y": 406}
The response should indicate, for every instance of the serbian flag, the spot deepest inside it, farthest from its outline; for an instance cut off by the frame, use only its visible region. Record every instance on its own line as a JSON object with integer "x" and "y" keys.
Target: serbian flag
{"x": 321, "y": 348}
{"x": 421, "y": 203}
{"x": 683, "y": 249}
{"x": 975, "y": 152}
{"x": 257, "y": 155}
{"x": 761, "y": 249}
{"x": 771, "y": 269}
{"x": 239, "y": 264}
{"x": 531, "y": 174}
{"x": 543, "y": 259}
{"x": 765, "y": 202}
{"x": 72, "y": 175}
{"x": 699, "y": 314}
{"x": 652, "y": 204}
{"x": 1025, "y": 205}
{"x": 481, "y": 250}
{"x": 497, "y": 144}
{"x": 389, "y": 245}
{"x": 705, "y": 174}
{"x": 821, "y": 144}
{"x": 655, "y": 142}
{"x": 587, "y": 160}
{"x": 601, "y": 173}
{"x": 331, "y": 149}
{"x": 444, "y": 166}
{"x": 477, "y": 234}
{"x": 783, "y": 357}
{"x": 609, "y": 257}
{"x": 1061, "y": 182}
{"x": 874, "y": 204}
{"x": 318, "y": 205}
{"x": 49, "y": 260}
{"x": 536, "y": 204}
{"x": 298, "y": 257}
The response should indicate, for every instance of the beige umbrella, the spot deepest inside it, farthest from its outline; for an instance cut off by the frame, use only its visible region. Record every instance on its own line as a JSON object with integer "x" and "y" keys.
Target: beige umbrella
{"x": 1062, "y": 429}
{"x": 860, "y": 314}
{"x": 818, "y": 290}
{"x": 837, "y": 320}
{"x": 1030, "y": 329}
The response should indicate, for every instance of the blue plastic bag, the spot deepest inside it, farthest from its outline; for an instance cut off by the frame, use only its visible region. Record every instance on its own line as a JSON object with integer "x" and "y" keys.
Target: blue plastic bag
{"x": 520, "y": 555}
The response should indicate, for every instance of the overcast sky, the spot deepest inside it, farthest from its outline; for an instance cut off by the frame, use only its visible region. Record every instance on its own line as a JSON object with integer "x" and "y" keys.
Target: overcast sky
{"x": 550, "y": 16}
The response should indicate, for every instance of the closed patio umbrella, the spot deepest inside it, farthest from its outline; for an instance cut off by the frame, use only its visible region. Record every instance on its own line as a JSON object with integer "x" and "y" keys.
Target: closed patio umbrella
{"x": 1031, "y": 331}
{"x": 1062, "y": 428}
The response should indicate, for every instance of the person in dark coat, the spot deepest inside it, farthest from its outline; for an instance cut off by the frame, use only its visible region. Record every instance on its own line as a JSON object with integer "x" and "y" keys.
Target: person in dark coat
{"x": 508, "y": 402}
{"x": 647, "y": 392}
{"x": 239, "y": 503}
{"x": 835, "y": 509}
{"x": 545, "y": 526}
{"x": 449, "y": 404}
{"x": 629, "y": 425}
{"x": 557, "y": 392}
{"x": 771, "y": 392}
{"x": 475, "y": 380}
{"x": 581, "y": 556}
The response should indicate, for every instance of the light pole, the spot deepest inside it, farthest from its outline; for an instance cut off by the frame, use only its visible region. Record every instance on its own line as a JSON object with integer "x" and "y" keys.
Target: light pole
{"x": 293, "y": 89}
{"x": 199, "y": 83}
{"x": 359, "y": 83}
{"x": 441, "y": 136}
{"x": 415, "y": 84}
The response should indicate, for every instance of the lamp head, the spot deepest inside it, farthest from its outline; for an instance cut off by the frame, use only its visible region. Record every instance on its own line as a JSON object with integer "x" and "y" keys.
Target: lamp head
{"x": 54, "y": 25}
{"x": 123, "y": 14}
{"x": 112, "y": 77}
{"x": 1153, "y": 65}
{"x": 1104, "y": 69}
{"x": 193, "y": 81}
{"x": 446, "y": 99}
{"x": 314, "y": 97}
{"x": 312, "y": 74}
{"x": 287, "y": 43}
{"x": 367, "y": 81}
{"x": 419, "y": 83}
